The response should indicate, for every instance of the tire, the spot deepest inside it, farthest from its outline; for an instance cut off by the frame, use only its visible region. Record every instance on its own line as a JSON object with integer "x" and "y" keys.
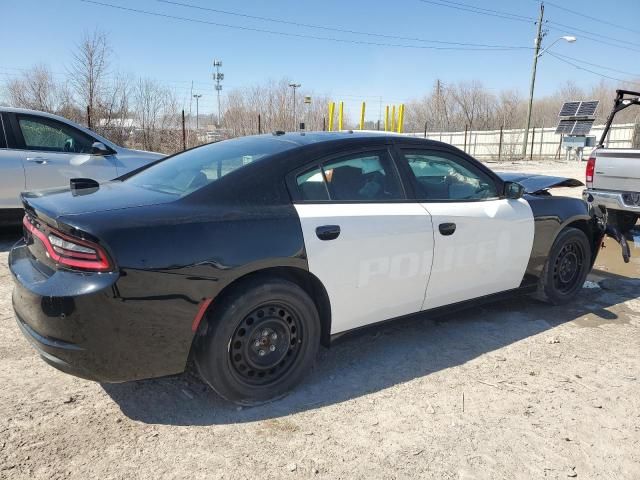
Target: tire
{"x": 566, "y": 268}
{"x": 261, "y": 341}
{"x": 624, "y": 221}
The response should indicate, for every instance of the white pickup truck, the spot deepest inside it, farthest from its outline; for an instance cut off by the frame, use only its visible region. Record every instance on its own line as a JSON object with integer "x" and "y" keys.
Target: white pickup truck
{"x": 613, "y": 175}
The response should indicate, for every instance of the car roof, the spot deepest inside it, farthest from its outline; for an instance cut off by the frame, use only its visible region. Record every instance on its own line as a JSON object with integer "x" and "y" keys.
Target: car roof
{"x": 302, "y": 139}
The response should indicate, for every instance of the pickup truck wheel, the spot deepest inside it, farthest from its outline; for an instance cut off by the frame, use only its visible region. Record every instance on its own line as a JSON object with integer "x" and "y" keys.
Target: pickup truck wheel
{"x": 566, "y": 268}
{"x": 624, "y": 221}
{"x": 261, "y": 341}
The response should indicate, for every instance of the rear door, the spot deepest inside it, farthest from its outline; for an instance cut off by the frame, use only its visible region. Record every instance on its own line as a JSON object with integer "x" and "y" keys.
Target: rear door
{"x": 54, "y": 152}
{"x": 12, "y": 180}
{"x": 482, "y": 241}
{"x": 370, "y": 247}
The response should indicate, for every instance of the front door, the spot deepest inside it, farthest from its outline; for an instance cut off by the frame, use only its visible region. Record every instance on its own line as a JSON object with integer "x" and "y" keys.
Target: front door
{"x": 482, "y": 242}
{"x": 54, "y": 152}
{"x": 369, "y": 246}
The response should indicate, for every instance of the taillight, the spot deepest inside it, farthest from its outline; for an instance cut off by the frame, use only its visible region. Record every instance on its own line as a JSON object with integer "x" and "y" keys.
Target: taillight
{"x": 70, "y": 251}
{"x": 591, "y": 169}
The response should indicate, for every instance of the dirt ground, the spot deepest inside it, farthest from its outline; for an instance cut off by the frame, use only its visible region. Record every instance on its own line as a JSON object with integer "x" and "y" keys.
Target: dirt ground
{"x": 514, "y": 390}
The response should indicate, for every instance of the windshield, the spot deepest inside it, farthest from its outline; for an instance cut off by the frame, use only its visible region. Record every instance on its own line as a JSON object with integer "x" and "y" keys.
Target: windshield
{"x": 189, "y": 171}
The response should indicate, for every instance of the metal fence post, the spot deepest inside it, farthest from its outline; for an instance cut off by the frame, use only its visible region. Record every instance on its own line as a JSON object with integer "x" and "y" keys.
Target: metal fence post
{"x": 425, "y": 129}
{"x": 500, "y": 143}
{"x": 533, "y": 136}
{"x": 184, "y": 133}
{"x": 259, "y": 124}
{"x": 466, "y": 128}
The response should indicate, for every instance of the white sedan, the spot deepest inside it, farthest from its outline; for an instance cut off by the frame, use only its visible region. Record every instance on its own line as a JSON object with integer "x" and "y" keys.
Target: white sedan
{"x": 39, "y": 150}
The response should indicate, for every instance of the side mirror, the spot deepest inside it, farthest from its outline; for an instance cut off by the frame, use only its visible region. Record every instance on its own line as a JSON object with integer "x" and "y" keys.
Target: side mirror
{"x": 99, "y": 148}
{"x": 513, "y": 190}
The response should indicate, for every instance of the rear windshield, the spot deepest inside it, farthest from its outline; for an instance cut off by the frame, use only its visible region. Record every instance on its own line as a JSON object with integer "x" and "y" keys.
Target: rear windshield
{"x": 189, "y": 171}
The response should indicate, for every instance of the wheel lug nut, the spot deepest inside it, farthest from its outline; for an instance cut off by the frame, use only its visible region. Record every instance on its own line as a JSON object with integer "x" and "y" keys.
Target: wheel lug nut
{"x": 272, "y": 348}
{"x": 274, "y": 336}
{"x": 265, "y": 333}
{"x": 262, "y": 353}
{"x": 256, "y": 343}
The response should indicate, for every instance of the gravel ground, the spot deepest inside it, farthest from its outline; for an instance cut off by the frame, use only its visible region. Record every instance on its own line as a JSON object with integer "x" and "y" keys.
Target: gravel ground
{"x": 512, "y": 390}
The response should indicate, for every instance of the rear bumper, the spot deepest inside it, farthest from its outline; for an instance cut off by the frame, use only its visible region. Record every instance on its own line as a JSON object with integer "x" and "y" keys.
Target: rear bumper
{"x": 610, "y": 200}
{"x": 82, "y": 324}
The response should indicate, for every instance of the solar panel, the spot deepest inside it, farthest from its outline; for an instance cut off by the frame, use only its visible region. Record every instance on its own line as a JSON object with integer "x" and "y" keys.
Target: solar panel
{"x": 579, "y": 109}
{"x": 582, "y": 127}
{"x": 587, "y": 109}
{"x": 565, "y": 126}
{"x": 569, "y": 109}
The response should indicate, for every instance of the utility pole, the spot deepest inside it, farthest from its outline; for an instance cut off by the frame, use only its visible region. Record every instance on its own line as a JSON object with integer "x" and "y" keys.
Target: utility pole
{"x": 197, "y": 97}
{"x": 536, "y": 54}
{"x": 218, "y": 77}
{"x": 295, "y": 120}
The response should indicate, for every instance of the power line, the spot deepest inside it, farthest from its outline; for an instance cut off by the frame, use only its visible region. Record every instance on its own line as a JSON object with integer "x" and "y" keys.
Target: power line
{"x": 599, "y": 20}
{"x": 481, "y": 11}
{"x": 597, "y": 66}
{"x": 599, "y": 36}
{"x": 511, "y": 16}
{"x": 583, "y": 36}
{"x": 290, "y": 34}
{"x": 332, "y": 29}
{"x": 591, "y": 71}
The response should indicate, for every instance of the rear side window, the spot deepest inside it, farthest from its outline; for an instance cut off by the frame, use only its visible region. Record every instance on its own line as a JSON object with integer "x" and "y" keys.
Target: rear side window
{"x": 362, "y": 177}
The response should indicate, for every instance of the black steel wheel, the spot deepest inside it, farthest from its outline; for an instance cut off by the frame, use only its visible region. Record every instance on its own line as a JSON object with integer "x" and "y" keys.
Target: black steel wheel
{"x": 262, "y": 339}
{"x": 266, "y": 344}
{"x": 567, "y": 267}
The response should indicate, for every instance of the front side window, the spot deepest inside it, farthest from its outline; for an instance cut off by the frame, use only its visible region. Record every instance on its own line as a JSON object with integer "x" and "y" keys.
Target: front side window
{"x": 43, "y": 134}
{"x": 443, "y": 176}
{"x": 364, "y": 177}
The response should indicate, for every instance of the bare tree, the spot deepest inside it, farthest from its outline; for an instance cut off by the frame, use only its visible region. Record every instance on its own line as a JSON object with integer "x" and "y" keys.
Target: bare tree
{"x": 35, "y": 89}
{"x": 89, "y": 69}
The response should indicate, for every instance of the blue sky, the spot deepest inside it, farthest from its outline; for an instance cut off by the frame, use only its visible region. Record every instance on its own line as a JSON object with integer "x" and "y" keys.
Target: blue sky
{"x": 177, "y": 52}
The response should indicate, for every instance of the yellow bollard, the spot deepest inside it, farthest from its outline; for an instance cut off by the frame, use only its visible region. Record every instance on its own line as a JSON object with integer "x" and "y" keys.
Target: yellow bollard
{"x": 393, "y": 118}
{"x": 362, "y": 116}
{"x": 332, "y": 108}
{"x": 400, "y": 118}
{"x": 340, "y": 116}
{"x": 386, "y": 118}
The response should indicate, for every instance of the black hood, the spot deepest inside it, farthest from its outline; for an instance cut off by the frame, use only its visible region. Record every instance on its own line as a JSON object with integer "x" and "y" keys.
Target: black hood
{"x": 535, "y": 183}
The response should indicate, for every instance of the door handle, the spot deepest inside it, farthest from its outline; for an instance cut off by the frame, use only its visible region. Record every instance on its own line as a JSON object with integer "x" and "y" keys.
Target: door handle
{"x": 328, "y": 232}
{"x": 447, "y": 229}
{"x": 40, "y": 160}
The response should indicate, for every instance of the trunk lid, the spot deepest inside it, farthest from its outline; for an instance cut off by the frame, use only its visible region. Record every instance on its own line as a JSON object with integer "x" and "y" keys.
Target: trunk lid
{"x": 109, "y": 196}
{"x": 617, "y": 169}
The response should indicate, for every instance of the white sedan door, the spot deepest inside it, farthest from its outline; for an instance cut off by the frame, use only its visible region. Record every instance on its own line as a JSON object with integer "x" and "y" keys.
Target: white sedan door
{"x": 11, "y": 174}
{"x": 371, "y": 249}
{"x": 54, "y": 152}
{"x": 482, "y": 242}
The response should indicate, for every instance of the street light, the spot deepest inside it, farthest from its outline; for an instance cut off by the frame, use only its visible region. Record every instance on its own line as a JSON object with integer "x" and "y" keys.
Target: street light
{"x": 197, "y": 97}
{"x": 295, "y": 120}
{"x": 566, "y": 38}
{"x": 538, "y": 53}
